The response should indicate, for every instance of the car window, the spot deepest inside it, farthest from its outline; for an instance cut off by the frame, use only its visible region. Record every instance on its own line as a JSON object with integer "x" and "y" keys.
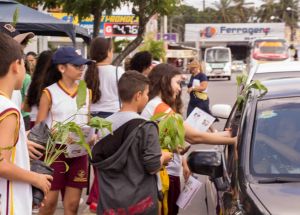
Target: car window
{"x": 276, "y": 138}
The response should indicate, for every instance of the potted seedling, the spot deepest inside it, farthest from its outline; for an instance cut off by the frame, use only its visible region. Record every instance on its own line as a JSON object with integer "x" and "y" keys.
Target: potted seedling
{"x": 62, "y": 136}
{"x": 171, "y": 131}
{"x": 243, "y": 92}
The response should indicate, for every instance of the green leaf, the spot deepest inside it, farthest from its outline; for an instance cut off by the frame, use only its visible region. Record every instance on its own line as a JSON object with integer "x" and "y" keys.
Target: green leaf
{"x": 16, "y": 17}
{"x": 100, "y": 124}
{"x": 81, "y": 94}
{"x": 158, "y": 116}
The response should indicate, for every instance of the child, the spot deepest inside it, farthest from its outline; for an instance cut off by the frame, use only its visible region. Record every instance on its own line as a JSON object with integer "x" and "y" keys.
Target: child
{"x": 15, "y": 175}
{"x": 164, "y": 93}
{"x": 102, "y": 78}
{"x": 127, "y": 161}
{"x": 57, "y": 104}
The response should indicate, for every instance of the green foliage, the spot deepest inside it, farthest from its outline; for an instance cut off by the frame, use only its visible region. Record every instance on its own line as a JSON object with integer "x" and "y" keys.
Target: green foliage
{"x": 245, "y": 88}
{"x": 16, "y": 17}
{"x": 100, "y": 124}
{"x": 171, "y": 130}
{"x": 119, "y": 45}
{"x": 69, "y": 132}
{"x": 81, "y": 94}
{"x": 156, "y": 48}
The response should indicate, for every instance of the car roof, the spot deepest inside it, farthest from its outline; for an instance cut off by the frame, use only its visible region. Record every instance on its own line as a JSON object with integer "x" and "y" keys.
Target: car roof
{"x": 284, "y": 66}
{"x": 285, "y": 87}
{"x": 274, "y": 69}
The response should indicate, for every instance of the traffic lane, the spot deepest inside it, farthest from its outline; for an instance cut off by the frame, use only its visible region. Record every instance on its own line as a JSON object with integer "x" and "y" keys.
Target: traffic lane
{"x": 220, "y": 91}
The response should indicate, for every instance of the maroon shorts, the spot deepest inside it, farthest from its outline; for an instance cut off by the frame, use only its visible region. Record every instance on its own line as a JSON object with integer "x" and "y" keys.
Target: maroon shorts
{"x": 75, "y": 177}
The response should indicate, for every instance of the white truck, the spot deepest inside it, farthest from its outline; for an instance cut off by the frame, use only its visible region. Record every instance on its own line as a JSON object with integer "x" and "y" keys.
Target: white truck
{"x": 217, "y": 62}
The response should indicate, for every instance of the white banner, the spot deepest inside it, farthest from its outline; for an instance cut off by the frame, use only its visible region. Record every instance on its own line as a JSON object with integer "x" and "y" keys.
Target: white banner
{"x": 233, "y": 32}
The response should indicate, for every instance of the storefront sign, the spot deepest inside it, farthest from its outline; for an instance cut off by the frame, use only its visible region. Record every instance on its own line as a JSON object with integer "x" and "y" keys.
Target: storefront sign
{"x": 114, "y": 25}
{"x": 232, "y": 32}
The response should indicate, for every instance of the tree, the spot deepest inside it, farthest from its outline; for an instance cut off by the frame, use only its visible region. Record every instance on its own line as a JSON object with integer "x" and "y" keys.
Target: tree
{"x": 144, "y": 10}
{"x": 225, "y": 10}
{"x": 242, "y": 12}
{"x": 268, "y": 9}
{"x": 80, "y": 8}
{"x": 156, "y": 48}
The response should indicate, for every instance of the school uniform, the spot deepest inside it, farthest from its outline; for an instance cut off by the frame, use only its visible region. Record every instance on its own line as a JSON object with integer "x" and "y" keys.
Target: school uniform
{"x": 16, "y": 196}
{"x": 63, "y": 106}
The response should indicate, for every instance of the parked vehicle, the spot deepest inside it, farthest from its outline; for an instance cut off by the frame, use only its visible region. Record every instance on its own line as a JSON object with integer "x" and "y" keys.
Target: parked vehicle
{"x": 217, "y": 62}
{"x": 268, "y": 49}
{"x": 238, "y": 66}
{"x": 274, "y": 70}
{"x": 262, "y": 174}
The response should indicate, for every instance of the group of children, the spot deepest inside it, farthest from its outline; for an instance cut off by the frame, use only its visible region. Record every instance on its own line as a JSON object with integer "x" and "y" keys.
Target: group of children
{"x": 126, "y": 162}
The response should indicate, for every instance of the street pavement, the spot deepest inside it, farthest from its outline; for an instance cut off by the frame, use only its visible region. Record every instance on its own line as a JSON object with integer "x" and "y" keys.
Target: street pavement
{"x": 220, "y": 91}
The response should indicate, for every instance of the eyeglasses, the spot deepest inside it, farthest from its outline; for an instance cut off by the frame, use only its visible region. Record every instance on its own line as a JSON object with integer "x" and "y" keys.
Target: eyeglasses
{"x": 79, "y": 67}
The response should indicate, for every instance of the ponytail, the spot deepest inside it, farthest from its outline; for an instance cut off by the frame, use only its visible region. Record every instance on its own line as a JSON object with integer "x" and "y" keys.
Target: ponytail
{"x": 98, "y": 52}
{"x": 92, "y": 80}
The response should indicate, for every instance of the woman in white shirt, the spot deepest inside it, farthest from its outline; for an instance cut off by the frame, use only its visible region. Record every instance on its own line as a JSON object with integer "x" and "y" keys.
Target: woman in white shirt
{"x": 102, "y": 78}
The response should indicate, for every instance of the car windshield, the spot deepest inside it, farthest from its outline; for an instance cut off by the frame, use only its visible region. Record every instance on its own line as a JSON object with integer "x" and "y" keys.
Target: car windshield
{"x": 270, "y": 49}
{"x": 217, "y": 56}
{"x": 276, "y": 138}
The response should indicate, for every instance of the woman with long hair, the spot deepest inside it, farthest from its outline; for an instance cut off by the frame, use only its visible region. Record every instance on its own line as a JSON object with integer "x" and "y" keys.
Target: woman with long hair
{"x": 36, "y": 86}
{"x": 102, "y": 78}
{"x": 58, "y": 104}
{"x": 165, "y": 97}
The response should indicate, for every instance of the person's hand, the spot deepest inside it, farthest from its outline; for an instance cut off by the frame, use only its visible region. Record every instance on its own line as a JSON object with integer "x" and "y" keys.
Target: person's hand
{"x": 189, "y": 90}
{"x": 93, "y": 140}
{"x": 183, "y": 150}
{"x": 166, "y": 157}
{"x": 33, "y": 149}
{"x": 223, "y": 133}
{"x": 43, "y": 182}
{"x": 186, "y": 172}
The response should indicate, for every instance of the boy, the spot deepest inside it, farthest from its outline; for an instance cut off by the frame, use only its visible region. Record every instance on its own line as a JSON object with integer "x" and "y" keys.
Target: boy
{"x": 127, "y": 161}
{"x": 15, "y": 175}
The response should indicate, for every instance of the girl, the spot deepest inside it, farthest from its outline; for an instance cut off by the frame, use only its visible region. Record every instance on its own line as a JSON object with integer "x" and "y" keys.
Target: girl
{"x": 36, "y": 86}
{"x": 164, "y": 96}
{"x": 102, "y": 78}
{"x": 58, "y": 103}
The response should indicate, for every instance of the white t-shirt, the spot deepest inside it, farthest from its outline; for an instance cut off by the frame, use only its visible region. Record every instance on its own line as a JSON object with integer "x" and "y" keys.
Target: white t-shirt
{"x": 16, "y": 196}
{"x": 109, "y": 101}
{"x": 154, "y": 106}
{"x": 17, "y": 98}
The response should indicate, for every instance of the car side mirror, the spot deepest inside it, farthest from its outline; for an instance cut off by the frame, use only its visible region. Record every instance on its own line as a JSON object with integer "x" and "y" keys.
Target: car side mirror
{"x": 221, "y": 111}
{"x": 206, "y": 162}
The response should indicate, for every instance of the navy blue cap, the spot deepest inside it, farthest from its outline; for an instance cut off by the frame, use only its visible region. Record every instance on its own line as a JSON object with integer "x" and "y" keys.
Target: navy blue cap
{"x": 68, "y": 54}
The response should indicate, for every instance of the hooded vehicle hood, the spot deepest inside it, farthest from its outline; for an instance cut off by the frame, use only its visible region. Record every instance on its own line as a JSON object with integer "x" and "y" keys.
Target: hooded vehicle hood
{"x": 283, "y": 198}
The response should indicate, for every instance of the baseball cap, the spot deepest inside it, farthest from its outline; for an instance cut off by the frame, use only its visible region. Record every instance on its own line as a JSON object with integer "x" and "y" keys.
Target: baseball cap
{"x": 10, "y": 30}
{"x": 68, "y": 54}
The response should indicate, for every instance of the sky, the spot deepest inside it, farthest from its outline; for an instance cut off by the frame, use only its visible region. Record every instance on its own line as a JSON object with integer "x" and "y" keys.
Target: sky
{"x": 195, "y": 3}
{"x": 209, "y": 3}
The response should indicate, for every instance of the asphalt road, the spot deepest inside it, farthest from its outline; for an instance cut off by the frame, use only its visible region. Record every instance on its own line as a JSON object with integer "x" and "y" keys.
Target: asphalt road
{"x": 221, "y": 91}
